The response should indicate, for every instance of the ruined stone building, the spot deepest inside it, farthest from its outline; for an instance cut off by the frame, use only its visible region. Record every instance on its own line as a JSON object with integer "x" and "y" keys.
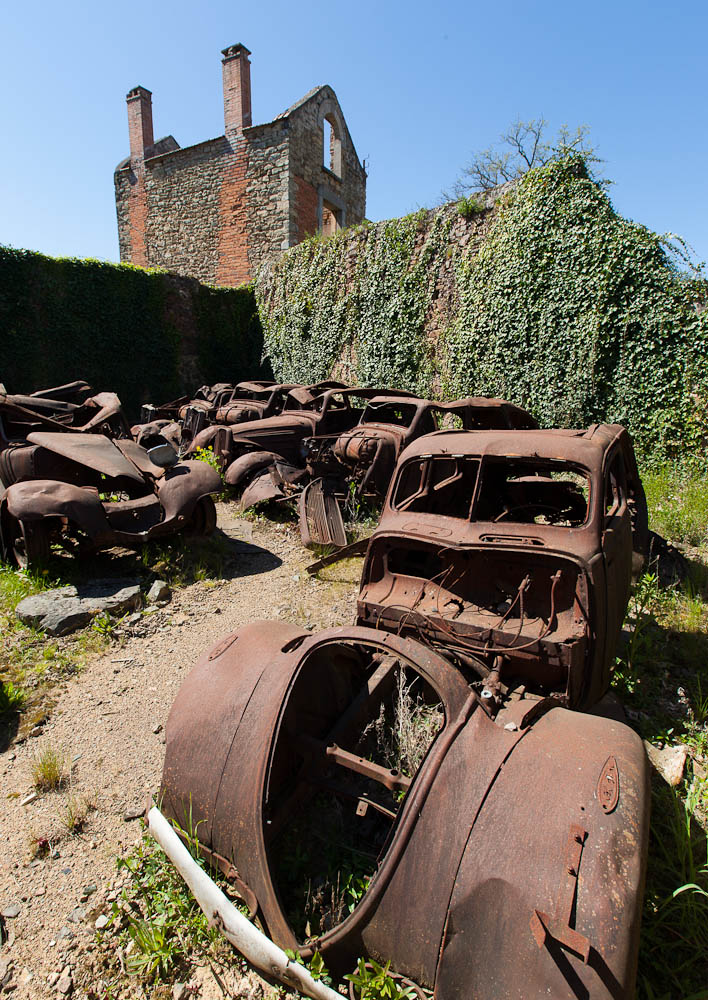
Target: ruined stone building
{"x": 216, "y": 210}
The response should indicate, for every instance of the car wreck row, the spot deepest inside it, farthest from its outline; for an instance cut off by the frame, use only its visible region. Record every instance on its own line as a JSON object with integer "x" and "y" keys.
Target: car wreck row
{"x": 446, "y": 783}
{"x": 503, "y": 854}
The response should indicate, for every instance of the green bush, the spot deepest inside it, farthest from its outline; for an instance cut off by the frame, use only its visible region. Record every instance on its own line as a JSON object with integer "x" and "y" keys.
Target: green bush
{"x": 144, "y": 334}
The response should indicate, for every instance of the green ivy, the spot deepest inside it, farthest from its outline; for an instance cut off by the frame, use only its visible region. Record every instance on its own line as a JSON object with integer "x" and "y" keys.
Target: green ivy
{"x": 144, "y": 334}
{"x": 356, "y": 303}
{"x": 563, "y": 307}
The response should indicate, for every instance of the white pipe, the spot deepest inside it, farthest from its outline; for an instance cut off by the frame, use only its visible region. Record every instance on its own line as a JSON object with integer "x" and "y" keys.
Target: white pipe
{"x": 243, "y": 935}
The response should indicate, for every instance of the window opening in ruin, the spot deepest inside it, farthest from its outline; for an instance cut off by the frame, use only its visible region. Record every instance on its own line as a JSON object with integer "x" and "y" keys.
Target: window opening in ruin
{"x": 389, "y": 413}
{"x": 331, "y": 147}
{"x": 331, "y": 219}
{"x": 441, "y": 484}
{"x": 533, "y": 491}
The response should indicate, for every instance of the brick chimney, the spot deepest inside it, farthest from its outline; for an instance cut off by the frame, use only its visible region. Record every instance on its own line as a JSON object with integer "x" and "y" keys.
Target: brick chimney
{"x": 237, "y": 88}
{"x": 140, "y": 121}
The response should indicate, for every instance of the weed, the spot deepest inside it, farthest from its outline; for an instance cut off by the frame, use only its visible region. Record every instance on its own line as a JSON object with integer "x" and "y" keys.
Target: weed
{"x": 207, "y": 455}
{"x": 180, "y": 562}
{"x": 469, "y": 207}
{"x": 162, "y": 919}
{"x": 372, "y": 981}
{"x": 104, "y": 625}
{"x": 673, "y": 950}
{"x": 50, "y": 769}
{"x": 76, "y": 812}
{"x": 40, "y": 844}
{"x": 12, "y": 699}
{"x": 316, "y": 966}
{"x": 405, "y": 728}
{"x": 677, "y": 498}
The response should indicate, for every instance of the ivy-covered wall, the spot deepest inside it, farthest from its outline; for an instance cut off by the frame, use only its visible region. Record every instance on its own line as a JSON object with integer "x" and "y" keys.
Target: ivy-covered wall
{"x": 541, "y": 294}
{"x": 146, "y": 335}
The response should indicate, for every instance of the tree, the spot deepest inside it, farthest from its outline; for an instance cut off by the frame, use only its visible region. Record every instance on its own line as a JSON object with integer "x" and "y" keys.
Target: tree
{"x": 522, "y": 147}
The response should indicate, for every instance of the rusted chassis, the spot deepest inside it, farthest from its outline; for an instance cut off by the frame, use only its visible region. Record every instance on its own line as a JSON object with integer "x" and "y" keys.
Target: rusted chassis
{"x": 52, "y": 491}
{"x": 177, "y": 494}
{"x": 514, "y": 866}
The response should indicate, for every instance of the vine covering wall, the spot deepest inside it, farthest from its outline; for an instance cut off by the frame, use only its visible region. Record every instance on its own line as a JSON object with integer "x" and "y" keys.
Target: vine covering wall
{"x": 146, "y": 335}
{"x": 542, "y": 294}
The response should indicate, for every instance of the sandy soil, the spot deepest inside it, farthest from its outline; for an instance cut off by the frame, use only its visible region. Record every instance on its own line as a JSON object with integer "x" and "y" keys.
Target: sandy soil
{"x": 110, "y": 722}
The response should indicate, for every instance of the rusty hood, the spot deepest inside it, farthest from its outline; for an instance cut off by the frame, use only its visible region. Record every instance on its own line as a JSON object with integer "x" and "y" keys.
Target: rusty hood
{"x": 92, "y": 450}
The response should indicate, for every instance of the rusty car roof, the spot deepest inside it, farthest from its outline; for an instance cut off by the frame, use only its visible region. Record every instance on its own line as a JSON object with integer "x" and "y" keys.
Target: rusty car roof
{"x": 584, "y": 446}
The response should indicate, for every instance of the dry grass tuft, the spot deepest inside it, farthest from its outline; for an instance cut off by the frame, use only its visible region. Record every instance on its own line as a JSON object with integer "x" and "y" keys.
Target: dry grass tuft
{"x": 50, "y": 769}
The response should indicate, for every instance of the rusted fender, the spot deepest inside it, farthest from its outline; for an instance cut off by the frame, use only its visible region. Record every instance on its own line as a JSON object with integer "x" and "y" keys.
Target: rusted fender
{"x": 183, "y": 485}
{"x": 32, "y": 501}
{"x": 245, "y": 466}
{"x": 547, "y": 897}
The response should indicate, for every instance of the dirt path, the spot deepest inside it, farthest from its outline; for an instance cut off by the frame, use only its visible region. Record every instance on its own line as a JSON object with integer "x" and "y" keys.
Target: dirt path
{"x": 110, "y": 722}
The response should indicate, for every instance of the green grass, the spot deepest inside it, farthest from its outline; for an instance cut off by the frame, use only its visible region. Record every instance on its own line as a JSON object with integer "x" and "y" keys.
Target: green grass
{"x": 159, "y": 916}
{"x": 678, "y": 503}
{"x": 662, "y": 678}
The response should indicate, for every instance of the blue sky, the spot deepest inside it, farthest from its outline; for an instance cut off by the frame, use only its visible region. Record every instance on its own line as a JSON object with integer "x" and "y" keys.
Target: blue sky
{"x": 421, "y": 87}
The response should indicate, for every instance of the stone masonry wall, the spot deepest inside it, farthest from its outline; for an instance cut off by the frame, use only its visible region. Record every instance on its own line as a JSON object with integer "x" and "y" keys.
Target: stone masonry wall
{"x": 216, "y": 211}
{"x": 267, "y": 192}
{"x": 308, "y": 173}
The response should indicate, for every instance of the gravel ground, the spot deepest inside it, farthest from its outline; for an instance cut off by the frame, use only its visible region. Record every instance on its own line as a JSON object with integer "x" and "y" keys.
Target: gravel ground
{"x": 109, "y": 721}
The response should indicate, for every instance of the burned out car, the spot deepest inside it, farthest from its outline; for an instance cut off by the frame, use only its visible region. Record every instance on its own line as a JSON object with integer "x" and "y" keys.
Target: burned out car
{"x": 247, "y": 449}
{"x": 73, "y": 406}
{"x": 254, "y": 401}
{"x": 513, "y": 550}
{"x": 366, "y": 800}
{"x": 167, "y": 422}
{"x": 366, "y": 454}
{"x": 359, "y": 461}
{"x": 87, "y": 492}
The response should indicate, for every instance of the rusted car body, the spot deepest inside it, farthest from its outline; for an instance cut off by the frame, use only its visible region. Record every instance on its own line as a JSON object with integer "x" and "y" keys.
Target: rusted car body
{"x": 88, "y": 492}
{"x": 74, "y": 407}
{"x": 254, "y": 401}
{"x": 362, "y": 458}
{"x": 167, "y": 422}
{"x": 367, "y": 454}
{"x": 513, "y": 550}
{"x": 324, "y": 408}
{"x": 507, "y": 862}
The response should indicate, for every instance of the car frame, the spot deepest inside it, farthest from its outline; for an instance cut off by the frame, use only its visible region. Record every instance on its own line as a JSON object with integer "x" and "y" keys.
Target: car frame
{"x": 537, "y": 603}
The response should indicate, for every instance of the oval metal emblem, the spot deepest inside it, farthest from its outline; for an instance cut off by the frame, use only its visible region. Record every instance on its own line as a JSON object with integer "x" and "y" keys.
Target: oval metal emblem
{"x": 608, "y": 787}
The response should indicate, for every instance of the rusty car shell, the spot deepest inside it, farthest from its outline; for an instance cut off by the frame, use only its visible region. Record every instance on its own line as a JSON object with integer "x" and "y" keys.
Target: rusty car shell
{"x": 87, "y": 491}
{"x": 515, "y": 548}
{"x": 327, "y": 408}
{"x": 75, "y": 407}
{"x": 367, "y": 454}
{"x": 254, "y": 401}
{"x": 511, "y": 862}
{"x": 178, "y": 420}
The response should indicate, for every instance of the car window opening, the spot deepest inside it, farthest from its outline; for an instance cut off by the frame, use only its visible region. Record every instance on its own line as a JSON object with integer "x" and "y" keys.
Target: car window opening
{"x": 354, "y": 732}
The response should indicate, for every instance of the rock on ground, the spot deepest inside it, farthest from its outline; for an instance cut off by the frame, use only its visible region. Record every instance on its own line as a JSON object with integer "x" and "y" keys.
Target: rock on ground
{"x": 60, "y": 611}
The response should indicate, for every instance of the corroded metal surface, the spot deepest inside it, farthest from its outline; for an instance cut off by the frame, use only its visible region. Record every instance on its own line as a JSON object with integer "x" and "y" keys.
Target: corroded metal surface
{"x": 515, "y": 547}
{"x": 502, "y": 874}
{"x": 85, "y": 491}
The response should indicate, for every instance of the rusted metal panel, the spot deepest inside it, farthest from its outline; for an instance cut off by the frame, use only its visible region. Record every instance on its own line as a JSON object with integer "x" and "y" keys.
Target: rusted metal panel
{"x": 502, "y": 873}
{"x": 320, "y": 517}
{"x": 92, "y": 450}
